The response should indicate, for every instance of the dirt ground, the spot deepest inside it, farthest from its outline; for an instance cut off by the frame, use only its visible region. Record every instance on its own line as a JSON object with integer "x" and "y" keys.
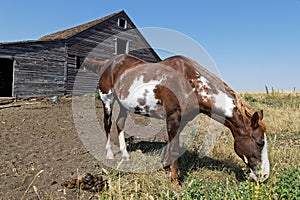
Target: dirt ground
{"x": 40, "y": 135}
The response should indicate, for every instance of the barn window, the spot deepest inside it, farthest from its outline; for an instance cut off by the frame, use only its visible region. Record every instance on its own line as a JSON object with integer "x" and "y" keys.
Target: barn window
{"x": 79, "y": 60}
{"x": 121, "y": 46}
{"x": 122, "y": 23}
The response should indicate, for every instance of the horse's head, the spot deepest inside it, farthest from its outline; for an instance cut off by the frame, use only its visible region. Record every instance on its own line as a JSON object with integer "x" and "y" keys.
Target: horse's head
{"x": 94, "y": 65}
{"x": 251, "y": 145}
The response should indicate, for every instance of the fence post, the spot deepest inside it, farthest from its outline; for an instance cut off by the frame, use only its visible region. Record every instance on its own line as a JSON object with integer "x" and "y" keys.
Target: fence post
{"x": 267, "y": 90}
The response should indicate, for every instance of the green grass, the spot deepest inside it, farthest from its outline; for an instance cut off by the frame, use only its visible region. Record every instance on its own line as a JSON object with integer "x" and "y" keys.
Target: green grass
{"x": 275, "y": 99}
{"x": 285, "y": 185}
{"x": 204, "y": 184}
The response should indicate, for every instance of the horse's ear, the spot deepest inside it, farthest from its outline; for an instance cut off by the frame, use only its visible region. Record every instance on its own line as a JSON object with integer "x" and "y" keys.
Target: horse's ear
{"x": 261, "y": 114}
{"x": 247, "y": 113}
{"x": 254, "y": 120}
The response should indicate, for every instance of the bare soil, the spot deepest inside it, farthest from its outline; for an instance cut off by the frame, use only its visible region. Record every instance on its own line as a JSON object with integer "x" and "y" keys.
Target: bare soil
{"x": 36, "y": 135}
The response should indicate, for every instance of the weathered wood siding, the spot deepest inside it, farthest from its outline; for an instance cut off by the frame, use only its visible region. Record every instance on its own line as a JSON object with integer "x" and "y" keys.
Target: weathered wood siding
{"x": 80, "y": 81}
{"x": 99, "y": 42}
{"x": 38, "y": 68}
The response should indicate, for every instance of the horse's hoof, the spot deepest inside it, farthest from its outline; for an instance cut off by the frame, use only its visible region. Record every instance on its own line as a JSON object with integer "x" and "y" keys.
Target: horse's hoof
{"x": 168, "y": 174}
{"x": 110, "y": 157}
{"x": 126, "y": 158}
{"x": 175, "y": 185}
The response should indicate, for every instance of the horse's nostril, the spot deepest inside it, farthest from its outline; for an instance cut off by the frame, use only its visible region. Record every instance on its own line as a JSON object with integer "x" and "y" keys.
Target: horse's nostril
{"x": 260, "y": 143}
{"x": 264, "y": 177}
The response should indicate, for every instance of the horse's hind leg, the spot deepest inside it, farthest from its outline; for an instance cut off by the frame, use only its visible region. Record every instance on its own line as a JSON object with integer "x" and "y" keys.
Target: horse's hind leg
{"x": 172, "y": 153}
{"x": 107, "y": 100}
{"x": 120, "y": 126}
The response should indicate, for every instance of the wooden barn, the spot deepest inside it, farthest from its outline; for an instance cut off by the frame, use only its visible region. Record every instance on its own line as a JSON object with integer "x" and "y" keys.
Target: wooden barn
{"x": 49, "y": 65}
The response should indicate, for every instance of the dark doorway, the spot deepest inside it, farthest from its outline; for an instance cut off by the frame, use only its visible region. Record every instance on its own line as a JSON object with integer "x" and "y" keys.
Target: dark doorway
{"x": 6, "y": 77}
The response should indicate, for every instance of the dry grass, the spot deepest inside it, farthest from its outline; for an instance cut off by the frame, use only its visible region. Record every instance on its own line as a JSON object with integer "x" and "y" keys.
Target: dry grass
{"x": 221, "y": 174}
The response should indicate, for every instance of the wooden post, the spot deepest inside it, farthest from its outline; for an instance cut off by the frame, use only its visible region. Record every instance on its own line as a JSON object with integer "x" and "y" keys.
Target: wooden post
{"x": 267, "y": 90}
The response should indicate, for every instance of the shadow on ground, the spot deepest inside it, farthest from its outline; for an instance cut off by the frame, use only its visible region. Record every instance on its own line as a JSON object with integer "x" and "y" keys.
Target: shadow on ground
{"x": 190, "y": 160}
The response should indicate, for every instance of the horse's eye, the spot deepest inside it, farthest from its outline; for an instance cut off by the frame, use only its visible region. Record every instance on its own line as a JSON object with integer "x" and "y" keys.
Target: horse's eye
{"x": 260, "y": 143}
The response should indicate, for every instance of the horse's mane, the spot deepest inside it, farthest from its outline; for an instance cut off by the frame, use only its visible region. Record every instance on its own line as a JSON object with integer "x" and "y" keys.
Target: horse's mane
{"x": 245, "y": 109}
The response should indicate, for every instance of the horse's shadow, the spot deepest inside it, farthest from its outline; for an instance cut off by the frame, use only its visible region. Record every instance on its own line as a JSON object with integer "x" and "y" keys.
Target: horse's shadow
{"x": 189, "y": 160}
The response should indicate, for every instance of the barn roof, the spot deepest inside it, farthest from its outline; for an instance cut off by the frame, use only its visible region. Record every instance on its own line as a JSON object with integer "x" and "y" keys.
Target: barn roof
{"x": 70, "y": 32}
{"x": 67, "y": 33}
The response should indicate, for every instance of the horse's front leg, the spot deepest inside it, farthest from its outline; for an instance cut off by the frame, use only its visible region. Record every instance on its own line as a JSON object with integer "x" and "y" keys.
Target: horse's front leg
{"x": 107, "y": 101}
{"x": 172, "y": 153}
{"x": 120, "y": 126}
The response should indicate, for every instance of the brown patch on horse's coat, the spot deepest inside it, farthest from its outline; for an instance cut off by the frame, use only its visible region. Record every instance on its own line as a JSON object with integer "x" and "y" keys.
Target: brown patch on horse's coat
{"x": 113, "y": 69}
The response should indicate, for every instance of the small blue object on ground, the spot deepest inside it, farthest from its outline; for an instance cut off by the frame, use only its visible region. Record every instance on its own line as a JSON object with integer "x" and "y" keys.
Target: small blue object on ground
{"x": 54, "y": 99}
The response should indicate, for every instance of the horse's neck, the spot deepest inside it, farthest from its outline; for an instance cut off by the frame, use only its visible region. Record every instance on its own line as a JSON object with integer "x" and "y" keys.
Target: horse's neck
{"x": 216, "y": 99}
{"x": 226, "y": 107}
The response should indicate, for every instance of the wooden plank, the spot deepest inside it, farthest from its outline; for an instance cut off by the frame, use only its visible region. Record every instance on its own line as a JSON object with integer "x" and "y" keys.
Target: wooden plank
{"x": 9, "y": 106}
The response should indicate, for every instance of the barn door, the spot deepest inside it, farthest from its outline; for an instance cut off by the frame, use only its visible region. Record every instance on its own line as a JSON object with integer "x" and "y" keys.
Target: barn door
{"x": 6, "y": 77}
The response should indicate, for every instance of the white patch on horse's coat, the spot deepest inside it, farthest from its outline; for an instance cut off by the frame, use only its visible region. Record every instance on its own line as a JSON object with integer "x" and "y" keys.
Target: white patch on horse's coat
{"x": 204, "y": 82}
{"x": 122, "y": 143}
{"x": 107, "y": 99}
{"x": 203, "y": 85}
{"x": 141, "y": 90}
{"x": 225, "y": 103}
{"x": 109, "y": 153}
{"x": 205, "y": 96}
{"x": 265, "y": 164}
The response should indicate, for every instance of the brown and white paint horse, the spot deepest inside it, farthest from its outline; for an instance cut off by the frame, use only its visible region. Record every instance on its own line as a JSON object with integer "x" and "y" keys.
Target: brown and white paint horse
{"x": 176, "y": 90}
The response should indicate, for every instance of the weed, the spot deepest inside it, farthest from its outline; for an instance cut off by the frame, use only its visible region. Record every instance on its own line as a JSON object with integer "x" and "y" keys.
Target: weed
{"x": 272, "y": 100}
{"x": 288, "y": 183}
{"x": 97, "y": 95}
{"x": 249, "y": 98}
{"x": 195, "y": 190}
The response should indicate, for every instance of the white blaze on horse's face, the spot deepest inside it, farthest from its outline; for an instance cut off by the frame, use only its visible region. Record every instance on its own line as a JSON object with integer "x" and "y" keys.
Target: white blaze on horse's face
{"x": 224, "y": 103}
{"x": 265, "y": 164}
{"x": 264, "y": 168}
{"x": 141, "y": 96}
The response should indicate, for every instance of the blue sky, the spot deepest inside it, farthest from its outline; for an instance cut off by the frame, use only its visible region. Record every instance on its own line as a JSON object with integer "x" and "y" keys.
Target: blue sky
{"x": 253, "y": 43}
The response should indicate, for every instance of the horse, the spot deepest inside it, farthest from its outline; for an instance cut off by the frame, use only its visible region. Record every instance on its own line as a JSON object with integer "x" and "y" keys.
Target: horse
{"x": 176, "y": 90}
